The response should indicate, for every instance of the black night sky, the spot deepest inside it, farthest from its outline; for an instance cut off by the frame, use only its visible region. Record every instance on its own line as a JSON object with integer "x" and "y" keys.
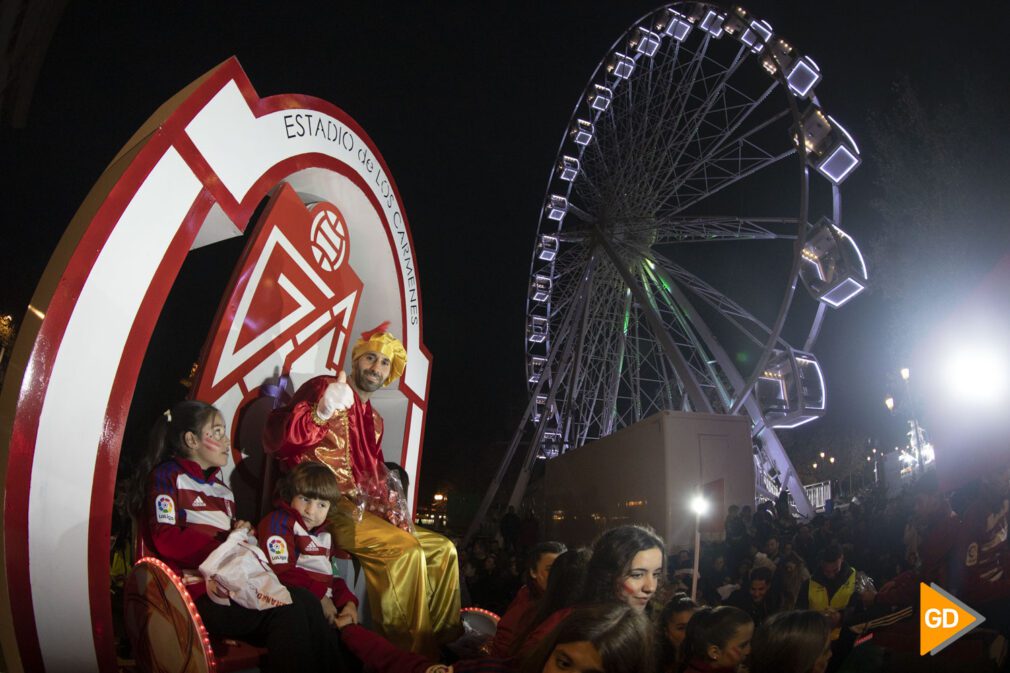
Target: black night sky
{"x": 468, "y": 103}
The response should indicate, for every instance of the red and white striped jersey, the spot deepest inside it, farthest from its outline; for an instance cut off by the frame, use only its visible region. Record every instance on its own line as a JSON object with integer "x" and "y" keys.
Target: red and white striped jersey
{"x": 189, "y": 514}
{"x": 301, "y": 557}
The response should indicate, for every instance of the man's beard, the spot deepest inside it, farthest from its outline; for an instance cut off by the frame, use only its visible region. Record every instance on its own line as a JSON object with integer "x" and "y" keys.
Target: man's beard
{"x": 366, "y": 384}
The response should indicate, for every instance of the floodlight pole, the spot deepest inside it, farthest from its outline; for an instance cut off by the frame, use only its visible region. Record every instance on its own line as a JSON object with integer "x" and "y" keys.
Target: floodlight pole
{"x": 697, "y": 556}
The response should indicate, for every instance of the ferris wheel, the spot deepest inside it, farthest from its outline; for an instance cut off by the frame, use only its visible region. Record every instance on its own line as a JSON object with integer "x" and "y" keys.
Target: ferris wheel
{"x": 696, "y": 184}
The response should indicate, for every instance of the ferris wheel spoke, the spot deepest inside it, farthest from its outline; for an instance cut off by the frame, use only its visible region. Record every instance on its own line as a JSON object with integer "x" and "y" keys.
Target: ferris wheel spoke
{"x": 632, "y": 151}
{"x": 690, "y": 229}
{"x": 698, "y": 400}
{"x": 696, "y": 349}
{"x": 715, "y": 94}
{"x": 744, "y": 168}
{"x": 614, "y": 378}
{"x": 748, "y": 325}
{"x": 724, "y": 143}
{"x": 669, "y": 138}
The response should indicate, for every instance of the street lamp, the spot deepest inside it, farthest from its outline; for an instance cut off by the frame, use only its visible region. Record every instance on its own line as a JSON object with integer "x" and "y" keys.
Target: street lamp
{"x": 699, "y": 506}
{"x": 831, "y": 460}
{"x": 822, "y": 454}
{"x": 889, "y": 403}
{"x": 815, "y": 466}
{"x": 905, "y": 373}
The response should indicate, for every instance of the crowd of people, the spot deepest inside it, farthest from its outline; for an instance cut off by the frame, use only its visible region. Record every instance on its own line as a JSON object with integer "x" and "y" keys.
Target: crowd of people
{"x": 858, "y": 567}
{"x": 774, "y": 594}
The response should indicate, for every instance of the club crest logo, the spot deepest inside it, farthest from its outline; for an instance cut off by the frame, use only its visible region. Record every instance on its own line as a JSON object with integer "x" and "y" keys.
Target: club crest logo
{"x": 278, "y": 549}
{"x": 164, "y": 508}
{"x": 329, "y": 239}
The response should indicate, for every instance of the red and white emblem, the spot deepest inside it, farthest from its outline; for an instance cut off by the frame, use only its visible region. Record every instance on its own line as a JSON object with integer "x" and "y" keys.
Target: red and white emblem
{"x": 193, "y": 175}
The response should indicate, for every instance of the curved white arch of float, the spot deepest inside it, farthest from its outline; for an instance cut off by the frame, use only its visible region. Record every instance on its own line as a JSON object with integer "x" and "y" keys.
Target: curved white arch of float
{"x": 192, "y": 176}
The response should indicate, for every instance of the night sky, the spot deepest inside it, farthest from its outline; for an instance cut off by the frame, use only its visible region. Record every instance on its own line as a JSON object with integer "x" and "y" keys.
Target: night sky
{"x": 468, "y": 102}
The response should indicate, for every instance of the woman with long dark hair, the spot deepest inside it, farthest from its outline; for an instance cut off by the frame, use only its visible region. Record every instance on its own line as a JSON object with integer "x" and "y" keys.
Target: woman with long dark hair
{"x": 798, "y": 641}
{"x": 609, "y": 637}
{"x": 717, "y": 640}
{"x": 627, "y": 566}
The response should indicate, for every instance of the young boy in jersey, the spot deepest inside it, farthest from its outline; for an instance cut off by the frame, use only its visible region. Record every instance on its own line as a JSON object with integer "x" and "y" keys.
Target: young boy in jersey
{"x": 295, "y": 539}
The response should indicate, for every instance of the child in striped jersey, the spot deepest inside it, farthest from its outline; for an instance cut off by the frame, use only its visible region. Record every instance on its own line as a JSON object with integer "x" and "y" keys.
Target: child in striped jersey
{"x": 186, "y": 510}
{"x": 295, "y": 539}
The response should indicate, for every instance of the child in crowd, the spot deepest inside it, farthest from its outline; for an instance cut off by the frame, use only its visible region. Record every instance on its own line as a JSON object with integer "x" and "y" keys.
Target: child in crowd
{"x": 565, "y": 587}
{"x": 295, "y": 539}
{"x": 672, "y": 628}
{"x": 717, "y": 640}
{"x": 186, "y": 510}
{"x": 520, "y": 612}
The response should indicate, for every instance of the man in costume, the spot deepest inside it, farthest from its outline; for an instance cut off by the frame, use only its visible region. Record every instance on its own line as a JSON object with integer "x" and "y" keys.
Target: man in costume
{"x": 412, "y": 574}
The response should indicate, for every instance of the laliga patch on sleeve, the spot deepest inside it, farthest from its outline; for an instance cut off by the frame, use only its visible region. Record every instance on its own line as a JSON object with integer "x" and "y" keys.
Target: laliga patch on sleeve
{"x": 278, "y": 549}
{"x": 164, "y": 509}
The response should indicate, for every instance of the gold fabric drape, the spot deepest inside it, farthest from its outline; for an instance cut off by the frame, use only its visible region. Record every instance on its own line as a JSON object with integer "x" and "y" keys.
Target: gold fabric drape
{"x": 413, "y": 582}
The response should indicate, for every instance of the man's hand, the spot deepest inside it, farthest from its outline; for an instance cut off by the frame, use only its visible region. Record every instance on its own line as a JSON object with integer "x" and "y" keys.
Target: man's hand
{"x": 329, "y": 610}
{"x": 868, "y": 597}
{"x": 348, "y": 615}
{"x": 336, "y": 397}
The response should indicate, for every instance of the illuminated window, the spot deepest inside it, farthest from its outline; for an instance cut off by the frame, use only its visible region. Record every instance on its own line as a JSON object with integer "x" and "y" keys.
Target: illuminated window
{"x": 674, "y": 24}
{"x": 557, "y": 206}
{"x": 843, "y": 292}
{"x": 548, "y": 247}
{"x": 833, "y": 267}
{"x": 537, "y": 364}
{"x": 537, "y": 329}
{"x": 541, "y": 290}
{"x": 830, "y": 148}
{"x": 803, "y": 76}
{"x": 600, "y": 98}
{"x": 838, "y": 164}
{"x": 621, "y": 65}
{"x": 550, "y": 446}
{"x": 645, "y": 42}
{"x": 791, "y": 390}
{"x": 712, "y": 23}
{"x": 756, "y": 36}
{"x": 582, "y": 132}
{"x": 568, "y": 168}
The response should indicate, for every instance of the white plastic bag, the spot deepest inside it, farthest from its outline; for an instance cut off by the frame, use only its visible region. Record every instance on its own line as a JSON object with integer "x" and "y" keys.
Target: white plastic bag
{"x": 240, "y": 569}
